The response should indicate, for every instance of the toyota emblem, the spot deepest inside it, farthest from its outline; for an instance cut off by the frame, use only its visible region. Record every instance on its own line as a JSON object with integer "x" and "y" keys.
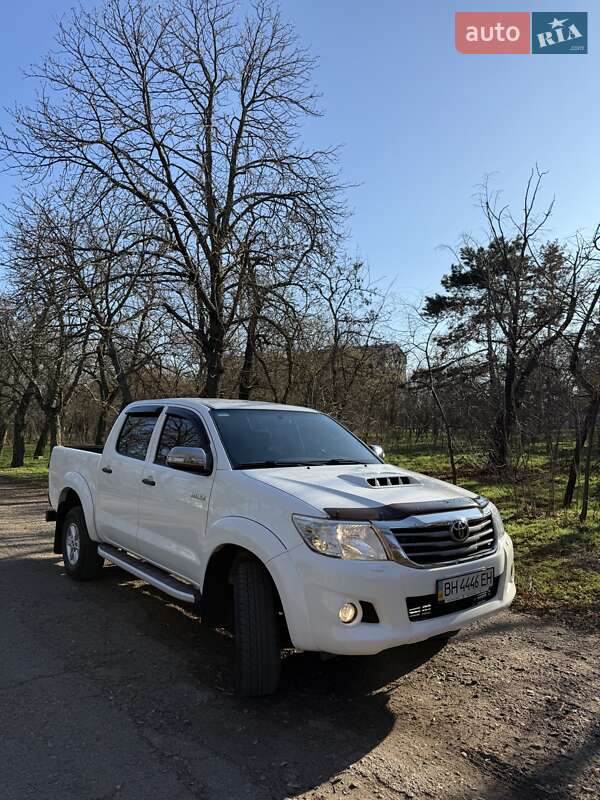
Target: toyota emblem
{"x": 459, "y": 530}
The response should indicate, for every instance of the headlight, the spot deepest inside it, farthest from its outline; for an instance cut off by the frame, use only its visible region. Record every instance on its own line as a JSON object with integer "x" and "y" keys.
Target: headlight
{"x": 356, "y": 540}
{"x": 497, "y": 520}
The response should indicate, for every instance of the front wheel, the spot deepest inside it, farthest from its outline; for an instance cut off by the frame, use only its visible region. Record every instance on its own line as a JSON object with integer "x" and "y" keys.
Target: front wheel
{"x": 80, "y": 553}
{"x": 257, "y": 650}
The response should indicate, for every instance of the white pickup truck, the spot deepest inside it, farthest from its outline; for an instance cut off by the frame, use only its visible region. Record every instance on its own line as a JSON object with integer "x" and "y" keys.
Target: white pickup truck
{"x": 277, "y": 521}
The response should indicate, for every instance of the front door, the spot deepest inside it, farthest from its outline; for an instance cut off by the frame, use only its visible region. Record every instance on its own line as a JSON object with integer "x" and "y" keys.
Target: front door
{"x": 173, "y": 503}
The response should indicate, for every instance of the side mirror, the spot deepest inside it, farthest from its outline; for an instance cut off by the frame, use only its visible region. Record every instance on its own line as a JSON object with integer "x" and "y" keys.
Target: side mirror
{"x": 378, "y": 450}
{"x": 192, "y": 459}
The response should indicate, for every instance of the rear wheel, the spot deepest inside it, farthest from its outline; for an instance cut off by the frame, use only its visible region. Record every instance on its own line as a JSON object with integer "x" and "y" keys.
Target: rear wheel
{"x": 257, "y": 650}
{"x": 80, "y": 553}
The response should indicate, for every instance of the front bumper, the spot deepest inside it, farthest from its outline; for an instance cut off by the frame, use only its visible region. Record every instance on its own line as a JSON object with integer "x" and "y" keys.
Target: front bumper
{"x": 313, "y": 587}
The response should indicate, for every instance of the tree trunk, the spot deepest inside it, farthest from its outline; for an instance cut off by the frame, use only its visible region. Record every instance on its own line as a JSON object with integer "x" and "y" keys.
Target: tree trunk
{"x": 448, "y": 431}
{"x": 121, "y": 376}
{"x": 588, "y": 463}
{"x": 498, "y": 455}
{"x": 3, "y": 430}
{"x": 20, "y": 419}
{"x": 500, "y": 439}
{"x": 505, "y": 422}
{"x": 580, "y": 440}
{"x": 214, "y": 371}
{"x": 247, "y": 370}
{"x": 42, "y": 439}
{"x": 100, "y": 433}
{"x": 55, "y": 428}
{"x": 213, "y": 354}
{"x": 107, "y": 397}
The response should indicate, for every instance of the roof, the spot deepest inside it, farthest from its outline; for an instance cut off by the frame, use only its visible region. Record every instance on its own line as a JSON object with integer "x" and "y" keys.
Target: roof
{"x": 212, "y": 402}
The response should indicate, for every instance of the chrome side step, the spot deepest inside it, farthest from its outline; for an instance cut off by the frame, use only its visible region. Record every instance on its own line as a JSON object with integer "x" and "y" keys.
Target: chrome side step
{"x": 153, "y": 575}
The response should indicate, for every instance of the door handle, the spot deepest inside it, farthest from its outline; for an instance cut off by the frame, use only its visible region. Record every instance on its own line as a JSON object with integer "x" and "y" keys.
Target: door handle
{"x": 108, "y": 470}
{"x": 148, "y": 481}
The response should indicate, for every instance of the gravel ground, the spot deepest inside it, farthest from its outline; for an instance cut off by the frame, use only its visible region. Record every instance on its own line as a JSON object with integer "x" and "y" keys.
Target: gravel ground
{"x": 111, "y": 690}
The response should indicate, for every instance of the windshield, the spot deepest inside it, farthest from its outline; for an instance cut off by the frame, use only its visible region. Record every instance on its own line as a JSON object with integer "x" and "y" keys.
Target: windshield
{"x": 257, "y": 438}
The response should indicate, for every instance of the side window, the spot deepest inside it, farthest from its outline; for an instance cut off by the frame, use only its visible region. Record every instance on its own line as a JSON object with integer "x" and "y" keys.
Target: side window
{"x": 180, "y": 432}
{"x": 135, "y": 435}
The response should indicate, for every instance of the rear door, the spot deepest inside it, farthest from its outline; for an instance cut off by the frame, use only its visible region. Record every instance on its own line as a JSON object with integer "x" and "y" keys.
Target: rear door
{"x": 174, "y": 503}
{"x": 120, "y": 477}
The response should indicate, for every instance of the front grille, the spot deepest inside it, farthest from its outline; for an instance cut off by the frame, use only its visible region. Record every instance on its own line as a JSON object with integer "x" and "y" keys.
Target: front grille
{"x": 432, "y": 545}
{"x": 427, "y": 606}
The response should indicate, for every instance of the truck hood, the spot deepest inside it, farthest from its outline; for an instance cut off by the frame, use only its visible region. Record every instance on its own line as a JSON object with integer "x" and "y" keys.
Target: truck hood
{"x": 373, "y": 491}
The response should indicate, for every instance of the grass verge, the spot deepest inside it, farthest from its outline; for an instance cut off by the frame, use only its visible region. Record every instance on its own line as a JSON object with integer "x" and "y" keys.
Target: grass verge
{"x": 34, "y": 472}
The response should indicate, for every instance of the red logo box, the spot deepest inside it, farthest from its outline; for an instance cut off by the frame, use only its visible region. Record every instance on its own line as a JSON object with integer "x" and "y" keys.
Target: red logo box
{"x": 492, "y": 31}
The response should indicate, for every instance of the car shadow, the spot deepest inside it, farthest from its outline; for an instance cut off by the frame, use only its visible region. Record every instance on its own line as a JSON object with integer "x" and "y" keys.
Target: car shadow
{"x": 326, "y": 715}
{"x": 311, "y": 674}
{"x": 170, "y": 676}
{"x": 354, "y": 676}
{"x": 149, "y": 667}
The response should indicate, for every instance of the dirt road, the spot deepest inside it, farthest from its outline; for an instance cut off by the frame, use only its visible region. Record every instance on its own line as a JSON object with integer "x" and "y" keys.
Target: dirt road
{"x": 110, "y": 690}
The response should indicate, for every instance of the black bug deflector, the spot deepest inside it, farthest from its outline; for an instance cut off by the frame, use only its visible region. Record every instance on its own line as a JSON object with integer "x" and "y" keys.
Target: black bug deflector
{"x": 400, "y": 511}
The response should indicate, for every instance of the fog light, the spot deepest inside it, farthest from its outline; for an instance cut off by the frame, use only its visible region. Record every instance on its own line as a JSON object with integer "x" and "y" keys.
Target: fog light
{"x": 347, "y": 613}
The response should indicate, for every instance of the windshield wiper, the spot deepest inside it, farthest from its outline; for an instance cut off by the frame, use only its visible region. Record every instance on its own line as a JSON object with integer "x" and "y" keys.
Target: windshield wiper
{"x": 332, "y": 462}
{"x": 282, "y": 463}
{"x": 276, "y": 463}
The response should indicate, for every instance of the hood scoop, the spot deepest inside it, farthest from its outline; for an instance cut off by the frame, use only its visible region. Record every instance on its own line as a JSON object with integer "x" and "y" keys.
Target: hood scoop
{"x": 382, "y": 481}
{"x": 379, "y": 480}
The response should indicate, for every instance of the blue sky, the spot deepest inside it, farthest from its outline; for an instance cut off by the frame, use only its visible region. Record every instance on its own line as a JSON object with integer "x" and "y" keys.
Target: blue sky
{"x": 421, "y": 123}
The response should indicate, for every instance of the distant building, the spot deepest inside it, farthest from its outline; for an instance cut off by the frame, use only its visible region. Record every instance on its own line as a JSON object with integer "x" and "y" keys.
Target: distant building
{"x": 390, "y": 358}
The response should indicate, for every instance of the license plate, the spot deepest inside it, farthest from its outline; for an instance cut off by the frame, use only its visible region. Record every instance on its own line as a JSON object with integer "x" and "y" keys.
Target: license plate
{"x": 461, "y": 586}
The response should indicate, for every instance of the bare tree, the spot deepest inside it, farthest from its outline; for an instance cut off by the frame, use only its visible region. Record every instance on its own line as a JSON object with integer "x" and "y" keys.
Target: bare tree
{"x": 22, "y": 339}
{"x": 102, "y": 251}
{"x": 57, "y": 355}
{"x": 584, "y": 342}
{"x": 428, "y": 376}
{"x": 192, "y": 109}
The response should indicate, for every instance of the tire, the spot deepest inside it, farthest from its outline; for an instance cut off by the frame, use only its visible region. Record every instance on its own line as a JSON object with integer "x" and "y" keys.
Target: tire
{"x": 257, "y": 650}
{"x": 80, "y": 553}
